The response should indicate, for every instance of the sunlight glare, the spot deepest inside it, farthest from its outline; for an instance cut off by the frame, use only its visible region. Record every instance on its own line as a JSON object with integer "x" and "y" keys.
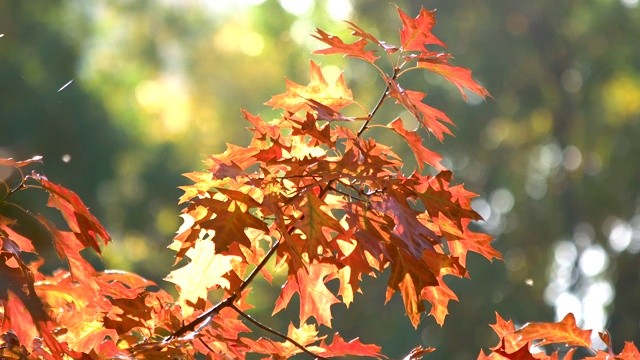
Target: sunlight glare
{"x": 339, "y": 9}
{"x": 297, "y": 7}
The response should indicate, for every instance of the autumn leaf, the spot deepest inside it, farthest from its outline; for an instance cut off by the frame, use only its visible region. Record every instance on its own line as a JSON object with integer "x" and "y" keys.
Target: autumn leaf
{"x": 564, "y": 332}
{"x": 357, "y": 31}
{"x": 430, "y": 118}
{"x": 459, "y": 76}
{"x": 68, "y": 248}
{"x": 336, "y": 95}
{"x": 505, "y": 331}
{"x": 409, "y": 276}
{"x": 629, "y": 352}
{"x": 409, "y": 234}
{"x": 339, "y": 347}
{"x": 229, "y": 223}
{"x": 315, "y": 298}
{"x": 416, "y": 33}
{"x": 422, "y": 154}
{"x": 439, "y": 297}
{"x": 315, "y": 224}
{"x": 85, "y": 226}
{"x": 22, "y": 163}
{"x": 23, "y": 243}
{"x": 336, "y": 46}
{"x": 205, "y": 272}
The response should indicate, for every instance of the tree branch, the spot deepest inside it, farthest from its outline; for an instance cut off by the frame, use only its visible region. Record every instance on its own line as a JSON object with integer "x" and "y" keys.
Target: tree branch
{"x": 385, "y": 94}
{"x": 274, "y": 332}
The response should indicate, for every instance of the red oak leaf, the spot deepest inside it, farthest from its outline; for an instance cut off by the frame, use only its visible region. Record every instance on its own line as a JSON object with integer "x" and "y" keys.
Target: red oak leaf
{"x": 416, "y": 33}
{"x": 83, "y": 224}
{"x": 357, "y": 31}
{"x": 336, "y": 46}
{"x": 439, "y": 297}
{"x": 336, "y": 95}
{"x": 315, "y": 298}
{"x": 339, "y": 347}
{"x": 563, "y": 332}
{"x": 430, "y": 118}
{"x": 422, "y": 154}
{"x": 459, "y": 76}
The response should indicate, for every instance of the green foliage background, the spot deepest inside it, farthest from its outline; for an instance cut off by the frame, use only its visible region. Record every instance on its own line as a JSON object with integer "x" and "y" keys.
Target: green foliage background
{"x": 158, "y": 85}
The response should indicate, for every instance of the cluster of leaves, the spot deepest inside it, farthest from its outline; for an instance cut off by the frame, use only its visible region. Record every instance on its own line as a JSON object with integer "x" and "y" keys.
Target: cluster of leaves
{"x": 310, "y": 195}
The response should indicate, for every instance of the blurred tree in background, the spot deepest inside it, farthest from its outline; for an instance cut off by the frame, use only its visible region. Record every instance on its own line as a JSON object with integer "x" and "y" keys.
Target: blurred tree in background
{"x": 157, "y": 85}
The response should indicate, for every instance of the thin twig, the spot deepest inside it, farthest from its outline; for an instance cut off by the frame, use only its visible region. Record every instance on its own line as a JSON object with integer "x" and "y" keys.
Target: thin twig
{"x": 275, "y": 332}
{"x": 13, "y": 191}
{"x": 384, "y": 95}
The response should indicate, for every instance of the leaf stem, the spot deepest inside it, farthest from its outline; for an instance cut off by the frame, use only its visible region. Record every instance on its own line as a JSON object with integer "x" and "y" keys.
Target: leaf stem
{"x": 275, "y": 332}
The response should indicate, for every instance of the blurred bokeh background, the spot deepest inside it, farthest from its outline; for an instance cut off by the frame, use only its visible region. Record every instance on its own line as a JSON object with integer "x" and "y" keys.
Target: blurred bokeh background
{"x": 555, "y": 156}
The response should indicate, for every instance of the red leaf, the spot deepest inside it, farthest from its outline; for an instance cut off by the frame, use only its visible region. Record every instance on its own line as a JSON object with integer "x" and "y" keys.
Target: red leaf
{"x": 522, "y": 353}
{"x": 23, "y": 243}
{"x": 68, "y": 248}
{"x": 339, "y": 347}
{"x": 410, "y": 276}
{"x": 422, "y": 154}
{"x": 315, "y": 224}
{"x": 11, "y": 162}
{"x": 416, "y": 33}
{"x": 84, "y": 225}
{"x": 459, "y": 76}
{"x": 430, "y": 118}
{"x": 315, "y": 298}
{"x": 336, "y": 46}
{"x": 357, "y": 31}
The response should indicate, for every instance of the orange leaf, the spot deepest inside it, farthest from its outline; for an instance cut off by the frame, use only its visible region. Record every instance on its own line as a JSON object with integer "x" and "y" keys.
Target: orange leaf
{"x": 357, "y": 31}
{"x": 422, "y": 154}
{"x": 336, "y": 96}
{"x": 315, "y": 298}
{"x": 416, "y": 33}
{"x": 564, "y": 332}
{"x": 459, "y": 76}
{"x": 339, "y": 347}
{"x": 505, "y": 331}
{"x": 85, "y": 226}
{"x": 630, "y": 352}
{"x": 68, "y": 247}
{"x": 410, "y": 276}
{"x": 430, "y": 118}
{"x": 439, "y": 297}
{"x": 314, "y": 224}
{"x": 336, "y": 46}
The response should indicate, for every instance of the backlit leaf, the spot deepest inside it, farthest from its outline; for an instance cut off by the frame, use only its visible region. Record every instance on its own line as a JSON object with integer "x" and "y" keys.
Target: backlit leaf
{"x": 205, "y": 272}
{"x": 336, "y": 95}
{"x": 416, "y": 32}
{"x": 336, "y": 46}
